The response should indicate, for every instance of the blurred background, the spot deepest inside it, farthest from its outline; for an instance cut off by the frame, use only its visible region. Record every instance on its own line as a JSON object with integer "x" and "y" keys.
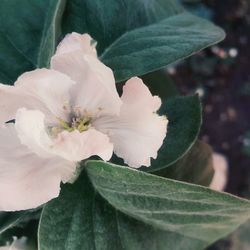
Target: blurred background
{"x": 221, "y": 76}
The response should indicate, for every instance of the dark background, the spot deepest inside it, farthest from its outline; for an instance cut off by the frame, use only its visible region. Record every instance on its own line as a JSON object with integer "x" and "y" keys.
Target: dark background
{"x": 222, "y": 75}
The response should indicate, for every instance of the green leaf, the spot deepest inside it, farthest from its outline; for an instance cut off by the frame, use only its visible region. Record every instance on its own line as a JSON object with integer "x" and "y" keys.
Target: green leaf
{"x": 76, "y": 221}
{"x": 9, "y": 220}
{"x": 81, "y": 219}
{"x": 188, "y": 210}
{"x": 150, "y": 48}
{"x": 184, "y": 115}
{"x": 240, "y": 239}
{"x": 108, "y": 20}
{"x": 195, "y": 167}
{"x": 136, "y": 36}
{"x": 160, "y": 84}
{"x": 28, "y": 35}
{"x": 136, "y": 235}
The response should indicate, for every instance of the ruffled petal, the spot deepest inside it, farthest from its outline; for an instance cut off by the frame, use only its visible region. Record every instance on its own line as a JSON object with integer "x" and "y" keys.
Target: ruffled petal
{"x": 42, "y": 89}
{"x": 27, "y": 181}
{"x": 95, "y": 91}
{"x": 138, "y": 133}
{"x": 76, "y": 146}
{"x": 76, "y": 42}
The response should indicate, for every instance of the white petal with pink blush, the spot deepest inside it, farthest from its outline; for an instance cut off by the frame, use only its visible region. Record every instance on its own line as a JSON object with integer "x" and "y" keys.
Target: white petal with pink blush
{"x": 67, "y": 114}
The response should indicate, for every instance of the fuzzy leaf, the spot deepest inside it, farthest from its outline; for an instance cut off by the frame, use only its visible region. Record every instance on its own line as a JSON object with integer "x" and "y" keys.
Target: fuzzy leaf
{"x": 135, "y": 37}
{"x": 152, "y": 47}
{"x": 80, "y": 219}
{"x": 189, "y": 210}
{"x": 28, "y": 35}
{"x": 194, "y": 167}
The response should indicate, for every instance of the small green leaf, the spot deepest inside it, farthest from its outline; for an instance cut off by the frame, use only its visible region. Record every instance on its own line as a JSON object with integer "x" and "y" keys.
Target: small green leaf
{"x": 189, "y": 210}
{"x": 195, "y": 167}
{"x": 160, "y": 84}
{"x": 28, "y": 35}
{"x": 184, "y": 115}
{"x": 9, "y": 220}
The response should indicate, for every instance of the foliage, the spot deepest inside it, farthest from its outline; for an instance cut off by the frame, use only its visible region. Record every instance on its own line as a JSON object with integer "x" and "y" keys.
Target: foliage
{"x": 110, "y": 206}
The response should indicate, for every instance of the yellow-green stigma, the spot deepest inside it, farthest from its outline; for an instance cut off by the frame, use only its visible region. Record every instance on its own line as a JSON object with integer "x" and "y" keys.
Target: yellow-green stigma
{"x": 80, "y": 124}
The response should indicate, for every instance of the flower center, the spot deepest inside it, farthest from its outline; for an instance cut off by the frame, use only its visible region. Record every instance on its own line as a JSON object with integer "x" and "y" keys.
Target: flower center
{"x": 80, "y": 124}
{"x": 77, "y": 123}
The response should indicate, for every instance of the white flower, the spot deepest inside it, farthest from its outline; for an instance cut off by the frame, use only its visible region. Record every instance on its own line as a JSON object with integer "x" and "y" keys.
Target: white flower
{"x": 66, "y": 114}
{"x": 17, "y": 244}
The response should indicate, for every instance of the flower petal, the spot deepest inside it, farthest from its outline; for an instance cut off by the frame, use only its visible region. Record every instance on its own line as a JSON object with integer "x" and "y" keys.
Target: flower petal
{"x": 76, "y": 42}
{"x": 76, "y": 146}
{"x": 73, "y": 146}
{"x": 50, "y": 87}
{"x": 42, "y": 89}
{"x": 138, "y": 132}
{"x": 12, "y": 98}
{"x": 30, "y": 127}
{"x": 137, "y": 95}
{"x": 220, "y": 177}
{"x": 95, "y": 90}
{"x": 27, "y": 181}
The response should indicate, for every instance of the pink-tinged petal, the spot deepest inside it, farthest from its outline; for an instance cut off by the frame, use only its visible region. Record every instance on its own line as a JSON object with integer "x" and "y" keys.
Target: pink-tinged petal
{"x": 76, "y": 42}
{"x": 12, "y": 98}
{"x": 31, "y": 130}
{"x": 73, "y": 146}
{"x": 135, "y": 93}
{"x": 76, "y": 146}
{"x": 42, "y": 89}
{"x": 219, "y": 180}
{"x": 95, "y": 90}
{"x": 27, "y": 181}
{"x": 138, "y": 133}
{"x": 50, "y": 87}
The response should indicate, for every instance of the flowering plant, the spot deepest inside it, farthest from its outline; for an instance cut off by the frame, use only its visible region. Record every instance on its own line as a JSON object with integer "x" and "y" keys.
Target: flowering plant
{"x": 95, "y": 141}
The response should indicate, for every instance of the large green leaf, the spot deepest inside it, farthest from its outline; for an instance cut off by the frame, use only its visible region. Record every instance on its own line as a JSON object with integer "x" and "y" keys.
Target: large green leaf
{"x": 240, "y": 239}
{"x": 81, "y": 219}
{"x": 136, "y": 36}
{"x": 108, "y": 20}
{"x": 195, "y": 167}
{"x": 75, "y": 221}
{"x": 147, "y": 49}
{"x": 189, "y": 210}
{"x": 28, "y": 35}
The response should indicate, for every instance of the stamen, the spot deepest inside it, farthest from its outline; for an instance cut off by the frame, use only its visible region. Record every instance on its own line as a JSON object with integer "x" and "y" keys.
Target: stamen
{"x": 80, "y": 124}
